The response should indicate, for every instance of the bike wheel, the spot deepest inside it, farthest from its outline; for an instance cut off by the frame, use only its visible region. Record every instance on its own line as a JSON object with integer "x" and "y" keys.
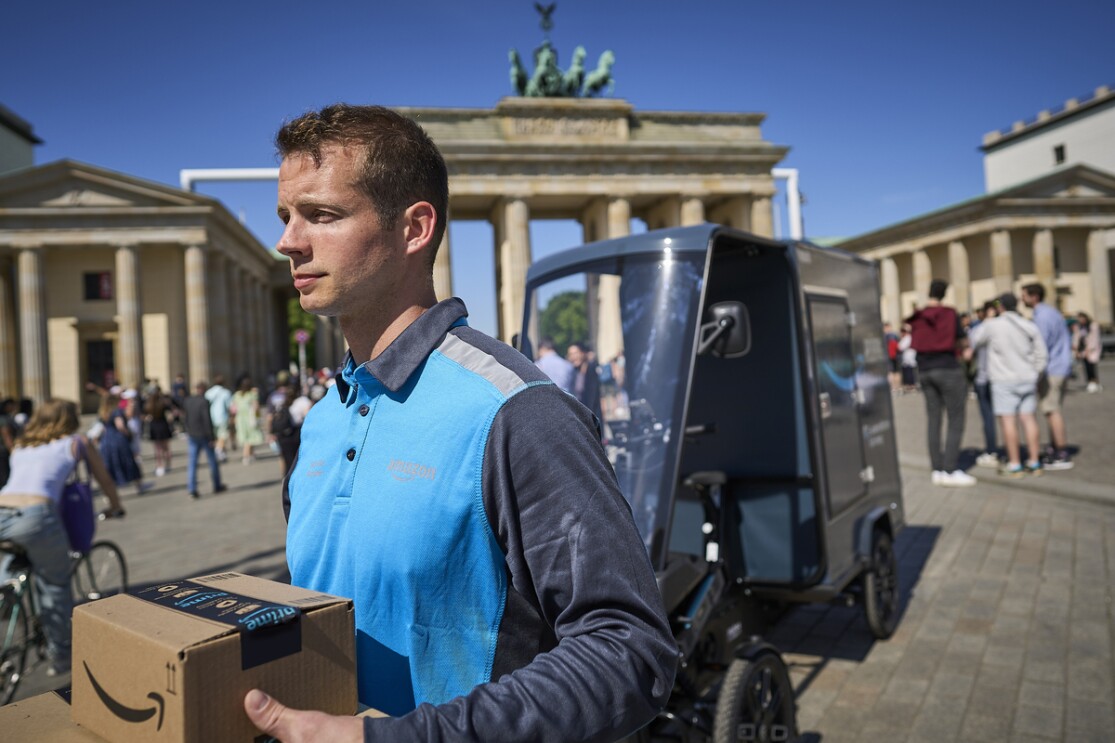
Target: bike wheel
{"x": 756, "y": 702}
{"x": 880, "y": 587}
{"x": 98, "y": 573}
{"x": 13, "y": 644}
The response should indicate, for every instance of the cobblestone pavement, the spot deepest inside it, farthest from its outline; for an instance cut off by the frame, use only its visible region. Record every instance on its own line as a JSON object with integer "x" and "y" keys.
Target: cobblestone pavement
{"x": 1007, "y": 628}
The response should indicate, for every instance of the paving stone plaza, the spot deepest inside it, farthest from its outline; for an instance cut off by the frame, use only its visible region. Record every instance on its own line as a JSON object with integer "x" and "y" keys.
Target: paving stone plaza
{"x": 1007, "y": 628}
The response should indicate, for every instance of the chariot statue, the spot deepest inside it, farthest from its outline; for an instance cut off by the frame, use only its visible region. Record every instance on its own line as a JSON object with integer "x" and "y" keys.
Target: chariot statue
{"x": 548, "y": 80}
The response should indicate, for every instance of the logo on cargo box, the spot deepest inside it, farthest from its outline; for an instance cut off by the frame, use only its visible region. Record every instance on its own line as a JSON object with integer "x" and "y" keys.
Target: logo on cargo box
{"x": 128, "y": 714}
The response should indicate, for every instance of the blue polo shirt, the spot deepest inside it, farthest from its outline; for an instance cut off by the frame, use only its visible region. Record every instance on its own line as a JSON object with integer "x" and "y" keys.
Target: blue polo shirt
{"x": 1056, "y": 336}
{"x": 464, "y": 503}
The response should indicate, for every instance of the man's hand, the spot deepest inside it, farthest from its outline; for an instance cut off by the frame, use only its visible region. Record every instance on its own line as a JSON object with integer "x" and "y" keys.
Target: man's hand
{"x": 300, "y": 726}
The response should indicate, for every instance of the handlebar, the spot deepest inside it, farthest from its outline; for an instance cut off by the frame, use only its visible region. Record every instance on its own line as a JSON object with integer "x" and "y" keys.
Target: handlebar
{"x": 111, "y": 513}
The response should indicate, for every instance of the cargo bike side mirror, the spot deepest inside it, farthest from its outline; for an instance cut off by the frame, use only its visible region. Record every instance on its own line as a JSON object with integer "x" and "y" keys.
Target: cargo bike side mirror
{"x": 726, "y": 333}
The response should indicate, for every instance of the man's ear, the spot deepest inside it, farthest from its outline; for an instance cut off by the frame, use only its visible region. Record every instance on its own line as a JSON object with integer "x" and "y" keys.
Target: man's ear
{"x": 419, "y": 221}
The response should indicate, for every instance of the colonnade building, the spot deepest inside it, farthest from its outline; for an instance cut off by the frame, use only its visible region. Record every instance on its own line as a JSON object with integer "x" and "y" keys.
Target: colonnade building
{"x": 113, "y": 279}
{"x": 1048, "y": 217}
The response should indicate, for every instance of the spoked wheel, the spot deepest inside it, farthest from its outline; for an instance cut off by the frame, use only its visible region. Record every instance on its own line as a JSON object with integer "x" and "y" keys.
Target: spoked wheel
{"x": 756, "y": 702}
{"x": 100, "y": 572}
{"x": 880, "y": 587}
{"x": 13, "y": 644}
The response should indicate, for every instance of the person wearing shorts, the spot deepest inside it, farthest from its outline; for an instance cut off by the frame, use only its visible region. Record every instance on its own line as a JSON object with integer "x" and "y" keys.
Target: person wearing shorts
{"x": 1051, "y": 386}
{"x": 1015, "y": 357}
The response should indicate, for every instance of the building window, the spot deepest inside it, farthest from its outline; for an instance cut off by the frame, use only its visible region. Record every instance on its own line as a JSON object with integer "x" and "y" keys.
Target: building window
{"x": 98, "y": 286}
{"x": 1058, "y": 154}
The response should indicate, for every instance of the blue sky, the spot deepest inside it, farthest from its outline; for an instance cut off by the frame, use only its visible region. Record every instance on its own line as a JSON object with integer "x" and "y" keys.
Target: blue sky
{"x": 884, "y": 104}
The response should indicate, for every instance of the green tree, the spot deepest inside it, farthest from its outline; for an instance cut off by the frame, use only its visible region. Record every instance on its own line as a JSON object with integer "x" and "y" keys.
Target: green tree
{"x": 565, "y": 319}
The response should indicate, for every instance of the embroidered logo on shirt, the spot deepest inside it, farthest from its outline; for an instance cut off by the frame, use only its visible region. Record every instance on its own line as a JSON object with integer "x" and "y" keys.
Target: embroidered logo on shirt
{"x": 406, "y": 471}
{"x": 316, "y": 469}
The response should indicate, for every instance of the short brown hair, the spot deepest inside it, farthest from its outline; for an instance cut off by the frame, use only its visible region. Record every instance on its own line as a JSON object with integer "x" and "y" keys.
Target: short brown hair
{"x": 402, "y": 165}
{"x": 1035, "y": 290}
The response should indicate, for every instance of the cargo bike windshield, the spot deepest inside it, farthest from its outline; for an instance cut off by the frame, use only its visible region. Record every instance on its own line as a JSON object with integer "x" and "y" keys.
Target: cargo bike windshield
{"x": 634, "y": 314}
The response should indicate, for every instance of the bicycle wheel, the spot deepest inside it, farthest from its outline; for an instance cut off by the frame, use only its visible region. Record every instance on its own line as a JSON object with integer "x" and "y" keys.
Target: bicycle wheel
{"x": 13, "y": 644}
{"x": 98, "y": 573}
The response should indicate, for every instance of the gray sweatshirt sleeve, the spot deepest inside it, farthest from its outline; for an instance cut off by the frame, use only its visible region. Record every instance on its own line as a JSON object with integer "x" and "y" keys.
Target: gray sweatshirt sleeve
{"x": 572, "y": 551}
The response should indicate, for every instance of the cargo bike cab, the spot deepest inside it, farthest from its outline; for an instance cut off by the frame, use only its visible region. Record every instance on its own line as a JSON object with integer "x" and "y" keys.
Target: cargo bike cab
{"x": 744, "y": 404}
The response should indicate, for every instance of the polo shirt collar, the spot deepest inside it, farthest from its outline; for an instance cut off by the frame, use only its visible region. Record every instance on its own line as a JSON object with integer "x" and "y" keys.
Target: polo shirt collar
{"x": 397, "y": 363}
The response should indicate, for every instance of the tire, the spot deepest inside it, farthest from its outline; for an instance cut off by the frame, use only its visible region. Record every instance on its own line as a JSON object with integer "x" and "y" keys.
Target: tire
{"x": 13, "y": 644}
{"x": 880, "y": 587}
{"x": 100, "y": 572}
{"x": 756, "y": 702}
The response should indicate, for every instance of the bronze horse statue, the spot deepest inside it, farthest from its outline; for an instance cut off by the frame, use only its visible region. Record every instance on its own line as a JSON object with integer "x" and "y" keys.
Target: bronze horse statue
{"x": 601, "y": 77}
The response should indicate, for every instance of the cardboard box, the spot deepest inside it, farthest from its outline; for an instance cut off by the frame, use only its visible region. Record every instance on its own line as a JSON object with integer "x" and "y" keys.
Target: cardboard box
{"x": 42, "y": 719}
{"x": 172, "y": 663}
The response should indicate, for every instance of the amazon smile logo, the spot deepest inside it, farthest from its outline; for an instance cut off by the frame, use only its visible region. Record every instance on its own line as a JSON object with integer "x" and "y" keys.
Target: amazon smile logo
{"x": 124, "y": 712}
{"x": 406, "y": 471}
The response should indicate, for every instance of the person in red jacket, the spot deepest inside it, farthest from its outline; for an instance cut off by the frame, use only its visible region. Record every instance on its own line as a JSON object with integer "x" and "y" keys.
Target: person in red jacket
{"x": 936, "y": 335}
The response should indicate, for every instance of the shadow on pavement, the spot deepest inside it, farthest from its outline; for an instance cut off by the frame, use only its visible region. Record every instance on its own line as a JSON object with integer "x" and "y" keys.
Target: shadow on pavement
{"x": 839, "y": 631}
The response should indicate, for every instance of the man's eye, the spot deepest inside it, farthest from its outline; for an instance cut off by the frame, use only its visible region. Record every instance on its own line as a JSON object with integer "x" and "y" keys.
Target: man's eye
{"x": 320, "y": 216}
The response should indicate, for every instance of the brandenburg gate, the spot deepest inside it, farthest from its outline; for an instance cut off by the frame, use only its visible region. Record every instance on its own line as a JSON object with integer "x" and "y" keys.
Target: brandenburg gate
{"x": 597, "y": 161}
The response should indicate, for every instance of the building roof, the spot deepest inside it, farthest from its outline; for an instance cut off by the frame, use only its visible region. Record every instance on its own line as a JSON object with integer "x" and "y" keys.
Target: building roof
{"x": 1072, "y": 186}
{"x": 17, "y": 125}
{"x": 1071, "y": 108}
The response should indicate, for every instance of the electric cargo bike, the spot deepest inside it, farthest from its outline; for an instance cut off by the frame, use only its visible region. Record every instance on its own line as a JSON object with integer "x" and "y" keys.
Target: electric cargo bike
{"x": 742, "y": 389}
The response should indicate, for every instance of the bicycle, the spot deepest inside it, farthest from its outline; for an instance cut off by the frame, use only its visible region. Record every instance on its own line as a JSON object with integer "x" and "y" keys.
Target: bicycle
{"x": 95, "y": 574}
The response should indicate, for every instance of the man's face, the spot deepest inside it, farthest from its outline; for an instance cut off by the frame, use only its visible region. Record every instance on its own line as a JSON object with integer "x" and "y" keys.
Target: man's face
{"x": 343, "y": 261}
{"x": 1028, "y": 299}
{"x": 575, "y": 355}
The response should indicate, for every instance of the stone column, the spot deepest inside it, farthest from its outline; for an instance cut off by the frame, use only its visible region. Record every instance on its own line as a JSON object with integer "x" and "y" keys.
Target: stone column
{"x": 762, "y": 216}
{"x": 619, "y": 217}
{"x": 260, "y": 344}
{"x": 514, "y": 259}
{"x": 1099, "y": 269}
{"x": 959, "y": 276}
{"x": 892, "y": 292}
{"x": 9, "y": 339}
{"x": 736, "y": 213}
{"x": 609, "y": 332}
{"x": 197, "y": 316}
{"x": 221, "y": 351}
{"x": 1002, "y": 264}
{"x": 129, "y": 322}
{"x": 234, "y": 321}
{"x": 271, "y": 324}
{"x": 250, "y": 331}
{"x": 923, "y": 275}
{"x": 324, "y": 345}
{"x": 1044, "y": 269}
{"x": 692, "y": 211}
{"x": 443, "y": 268}
{"x": 594, "y": 221}
{"x": 32, "y": 325}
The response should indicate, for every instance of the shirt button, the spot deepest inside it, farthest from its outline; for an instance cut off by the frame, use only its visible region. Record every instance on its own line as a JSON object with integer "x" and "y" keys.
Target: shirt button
{"x": 350, "y": 454}
{"x": 364, "y": 409}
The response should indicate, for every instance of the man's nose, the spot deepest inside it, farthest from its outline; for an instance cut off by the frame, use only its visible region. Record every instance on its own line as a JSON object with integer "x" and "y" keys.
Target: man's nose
{"x": 293, "y": 240}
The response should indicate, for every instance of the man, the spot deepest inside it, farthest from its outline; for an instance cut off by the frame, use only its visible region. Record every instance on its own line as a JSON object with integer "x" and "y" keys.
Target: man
{"x": 1015, "y": 357}
{"x": 982, "y": 386}
{"x": 586, "y": 380}
{"x": 199, "y": 433}
{"x": 220, "y": 397}
{"x": 935, "y": 335}
{"x": 556, "y": 368}
{"x": 460, "y": 499}
{"x": 894, "y": 375}
{"x": 1051, "y": 384}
